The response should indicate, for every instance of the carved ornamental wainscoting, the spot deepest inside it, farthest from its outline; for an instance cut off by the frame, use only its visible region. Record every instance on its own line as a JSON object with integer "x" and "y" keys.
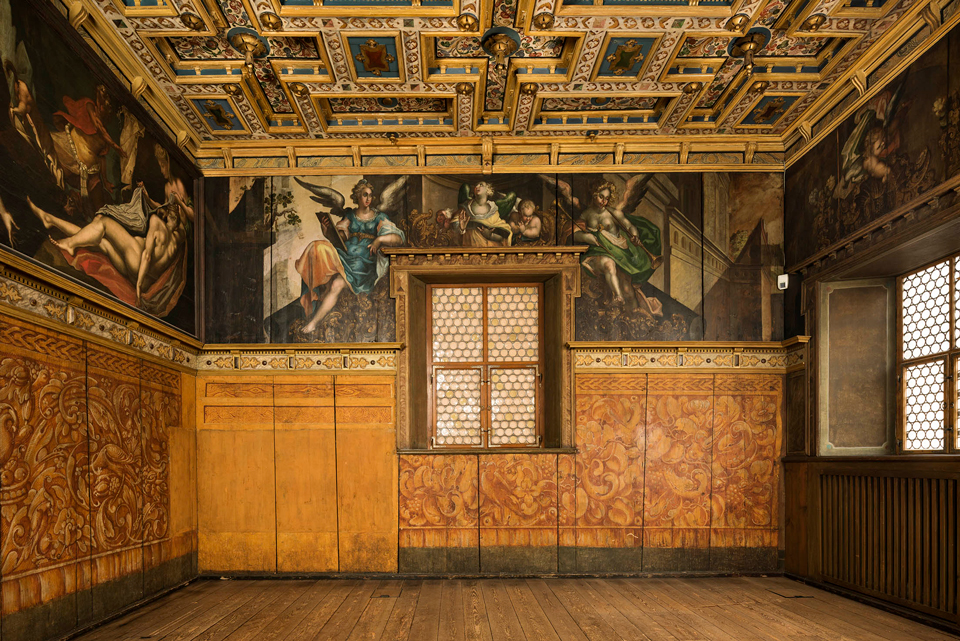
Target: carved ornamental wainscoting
{"x": 95, "y": 516}
{"x": 675, "y": 470}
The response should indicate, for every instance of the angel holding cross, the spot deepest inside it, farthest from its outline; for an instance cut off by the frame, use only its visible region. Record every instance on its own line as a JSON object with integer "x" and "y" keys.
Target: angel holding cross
{"x": 349, "y": 253}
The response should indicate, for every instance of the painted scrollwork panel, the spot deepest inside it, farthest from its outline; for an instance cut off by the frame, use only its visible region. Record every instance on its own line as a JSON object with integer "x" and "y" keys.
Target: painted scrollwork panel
{"x": 438, "y": 491}
{"x": 518, "y": 491}
{"x": 747, "y": 448}
{"x": 116, "y": 451}
{"x": 679, "y": 441}
{"x": 43, "y": 458}
{"x": 610, "y": 442}
{"x": 160, "y": 403}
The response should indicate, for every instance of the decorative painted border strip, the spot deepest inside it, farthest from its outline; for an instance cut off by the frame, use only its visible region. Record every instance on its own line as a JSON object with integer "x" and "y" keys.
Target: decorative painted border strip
{"x": 354, "y": 357}
{"x": 83, "y": 319}
{"x": 781, "y": 356}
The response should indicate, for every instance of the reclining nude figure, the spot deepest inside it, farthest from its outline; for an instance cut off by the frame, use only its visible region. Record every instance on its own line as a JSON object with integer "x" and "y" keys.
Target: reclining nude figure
{"x": 140, "y": 259}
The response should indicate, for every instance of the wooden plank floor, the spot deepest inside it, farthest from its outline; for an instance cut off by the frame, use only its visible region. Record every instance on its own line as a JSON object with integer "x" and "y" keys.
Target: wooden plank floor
{"x": 728, "y": 609}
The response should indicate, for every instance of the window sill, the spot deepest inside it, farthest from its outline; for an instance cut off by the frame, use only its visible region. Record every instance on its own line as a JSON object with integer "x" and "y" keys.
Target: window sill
{"x": 491, "y": 450}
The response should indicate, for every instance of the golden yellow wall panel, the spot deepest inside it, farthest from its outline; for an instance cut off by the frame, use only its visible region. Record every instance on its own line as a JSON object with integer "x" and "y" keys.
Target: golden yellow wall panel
{"x": 236, "y": 485}
{"x": 183, "y": 462}
{"x": 306, "y": 474}
{"x": 366, "y": 474}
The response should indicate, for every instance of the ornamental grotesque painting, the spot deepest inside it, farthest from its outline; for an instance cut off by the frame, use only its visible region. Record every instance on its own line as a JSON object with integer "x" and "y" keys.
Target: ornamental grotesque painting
{"x": 667, "y": 256}
{"x": 89, "y": 189}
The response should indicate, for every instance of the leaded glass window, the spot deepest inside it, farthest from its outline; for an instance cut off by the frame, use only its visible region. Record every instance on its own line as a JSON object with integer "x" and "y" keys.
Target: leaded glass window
{"x": 485, "y": 365}
{"x": 929, "y": 357}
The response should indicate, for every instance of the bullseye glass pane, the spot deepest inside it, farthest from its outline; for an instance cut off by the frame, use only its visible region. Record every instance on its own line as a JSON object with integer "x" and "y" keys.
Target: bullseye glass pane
{"x": 457, "y": 324}
{"x": 923, "y": 406}
{"x": 926, "y": 311}
{"x": 513, "y": 406}
{"x": 458, "y": 407}
{"x": 956, "y": 301}
{"x": 513, "y": 316}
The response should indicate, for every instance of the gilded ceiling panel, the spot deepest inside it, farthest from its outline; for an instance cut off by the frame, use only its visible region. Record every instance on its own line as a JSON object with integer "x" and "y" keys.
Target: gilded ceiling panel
{"x": 289, "y": 70}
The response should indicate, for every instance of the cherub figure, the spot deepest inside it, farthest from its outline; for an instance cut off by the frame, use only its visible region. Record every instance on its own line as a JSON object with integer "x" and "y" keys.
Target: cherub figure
{"x": 524, "y": 222}
{"x": 620, "y": 244}
{"x": 349, "y": 254}
{"x": 874, "y": 139}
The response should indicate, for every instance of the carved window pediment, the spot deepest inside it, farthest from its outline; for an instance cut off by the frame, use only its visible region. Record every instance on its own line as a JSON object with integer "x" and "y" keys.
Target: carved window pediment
{"x": 411, "y": 270}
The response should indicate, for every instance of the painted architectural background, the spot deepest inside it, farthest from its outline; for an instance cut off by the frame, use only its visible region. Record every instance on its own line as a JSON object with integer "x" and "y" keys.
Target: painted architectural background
{"x": 672, "y": 256}
{"x": 902, "y": 142}
{"x": 88, "y": 188}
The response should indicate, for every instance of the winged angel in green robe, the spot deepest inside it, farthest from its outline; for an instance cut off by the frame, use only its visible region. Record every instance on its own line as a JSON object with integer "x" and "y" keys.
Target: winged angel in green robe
{"x": 622, "y": 246}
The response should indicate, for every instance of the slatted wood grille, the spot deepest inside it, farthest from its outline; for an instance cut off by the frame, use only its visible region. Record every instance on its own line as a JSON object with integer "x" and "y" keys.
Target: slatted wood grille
{"x": 892, "y": 537}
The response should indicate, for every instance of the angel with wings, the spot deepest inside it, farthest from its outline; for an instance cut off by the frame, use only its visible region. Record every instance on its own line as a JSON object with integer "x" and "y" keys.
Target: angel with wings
{"x": 349, "y": 253}
{"x": 619, "y": 242}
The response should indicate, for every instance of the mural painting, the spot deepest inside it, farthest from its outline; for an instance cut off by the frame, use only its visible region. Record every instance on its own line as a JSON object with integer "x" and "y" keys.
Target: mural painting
{"x": 299, "y": 259}
{"x": 904, "y": 141}
{"x": 89, "y": 189}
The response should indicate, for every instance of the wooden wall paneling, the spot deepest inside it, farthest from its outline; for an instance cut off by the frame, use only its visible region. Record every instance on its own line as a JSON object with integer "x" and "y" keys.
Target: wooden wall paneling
{"x": 160, "y": 412}
{"x": 44, "y": 481}
{"x": 745, "y": 470}
{"x": 795, "y": 519}
{"x": 367, "y": 472}
{"x": 438, "y": 509}
{"x": 306, "y": 474}
{"x": 518, "y": 513}
{"x": 183, "y": 481}
{"x": 610, "y": 438}
{"x": 114, "y": 407}
{"x": 889, "y": 531}
{"x": 568, "y": 507}
{"x": 677, "y": 479}
{"x": 236, "y": 488}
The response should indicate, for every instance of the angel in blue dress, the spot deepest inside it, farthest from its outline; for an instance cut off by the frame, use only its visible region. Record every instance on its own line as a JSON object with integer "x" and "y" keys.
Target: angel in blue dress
{"x": 349, "y": 253}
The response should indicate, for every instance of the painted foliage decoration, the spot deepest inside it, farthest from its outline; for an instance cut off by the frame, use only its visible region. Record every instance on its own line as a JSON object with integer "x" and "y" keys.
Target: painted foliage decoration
{"x": 669, "y": 256}
{"x": 904, "y": 141}
{"x": 88, "y": 189}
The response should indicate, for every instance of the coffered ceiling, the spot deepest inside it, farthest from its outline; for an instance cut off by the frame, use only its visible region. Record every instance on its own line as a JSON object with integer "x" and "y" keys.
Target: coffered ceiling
{"x": 249, "y": 74}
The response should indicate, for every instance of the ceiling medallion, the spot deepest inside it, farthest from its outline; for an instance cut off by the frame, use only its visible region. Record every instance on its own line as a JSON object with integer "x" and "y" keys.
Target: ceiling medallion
{"x": 544, "y": 21}
{"x": 760, "y": 86}
{"x": 465, "y": 88}
{"x": 393, "y": 137}
{"x": 374, "y": 57}
{"x": 271, "y": 21}
{"x": 248, "y": 42}
{"x": 192, "y": 21}
{"x": 814, "y": 22}
{"x": 625, "y": 57}
{"x": 467, "y": 22}
{"x": 500, "y": 43}
{"x": 737, "y": 22}
{"x": 692, "y": 87}
{"x": 300, "y": 90}
{"x": 233, "y": 90}
{"x": 747, "y": 46}
{"x": 529, "y": 88}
